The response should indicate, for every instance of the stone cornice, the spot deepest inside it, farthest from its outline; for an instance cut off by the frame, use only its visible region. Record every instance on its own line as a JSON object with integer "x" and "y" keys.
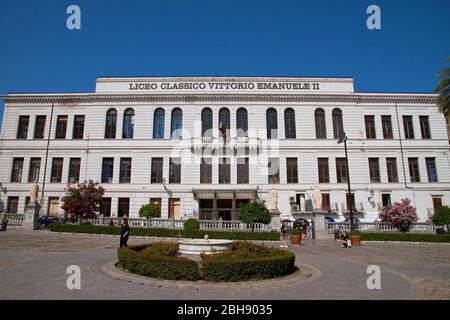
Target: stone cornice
{"x": 79, "y": 98}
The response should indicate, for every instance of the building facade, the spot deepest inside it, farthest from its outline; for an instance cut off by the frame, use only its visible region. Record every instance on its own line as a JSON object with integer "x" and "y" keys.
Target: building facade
{"x": 201, "y": 146}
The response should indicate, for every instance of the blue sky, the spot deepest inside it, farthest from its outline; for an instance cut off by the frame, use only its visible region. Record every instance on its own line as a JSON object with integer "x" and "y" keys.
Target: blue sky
{"x": 210, "y": 37}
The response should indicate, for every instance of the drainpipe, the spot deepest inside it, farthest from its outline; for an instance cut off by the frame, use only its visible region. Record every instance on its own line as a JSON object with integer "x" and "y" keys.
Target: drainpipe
{"x": 46, "y": 154}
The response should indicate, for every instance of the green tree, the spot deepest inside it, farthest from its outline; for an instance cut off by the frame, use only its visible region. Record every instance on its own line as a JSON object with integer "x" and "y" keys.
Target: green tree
{"x": 253, "y": 212}
{"x": 83, "y": 201}
{"x": 443, "y": 88}
{"x": 441, "y": 217}
{"x": 149, "y": 210}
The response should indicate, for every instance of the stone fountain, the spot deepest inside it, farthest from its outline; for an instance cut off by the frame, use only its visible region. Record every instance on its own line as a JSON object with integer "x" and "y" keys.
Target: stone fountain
{"x": 198, "y": 246}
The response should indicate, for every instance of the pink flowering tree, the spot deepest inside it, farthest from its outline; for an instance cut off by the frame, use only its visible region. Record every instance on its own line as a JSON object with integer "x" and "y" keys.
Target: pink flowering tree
{"x": 400, "y": 215}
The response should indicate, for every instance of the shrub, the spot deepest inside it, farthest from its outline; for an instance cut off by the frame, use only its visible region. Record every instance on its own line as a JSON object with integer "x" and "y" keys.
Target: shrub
{"x": 354, "y": 233}
{"x": 173, "y": 233}
{"x": 149, "y": 210}
{"x": 296, "y": 232}
{"x": 441, "y": 216}
{"x": 83, "y": 200}
{"x": 142, "y": 260}
{"x": 414, "y": 237}
{"x": 191, "y": 225}
{"x": 254, "y": 212}
{"x": 400, "y": 215}
{"x": 248, "y": 262}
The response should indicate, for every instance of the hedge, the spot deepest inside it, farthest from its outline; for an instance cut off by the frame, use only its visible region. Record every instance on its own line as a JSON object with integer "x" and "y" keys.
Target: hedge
{"x": 224, "y": 267}
{"x": 398, "y": 236}
{"x": 156, "y": 265}
{"x": 172, "y": 233}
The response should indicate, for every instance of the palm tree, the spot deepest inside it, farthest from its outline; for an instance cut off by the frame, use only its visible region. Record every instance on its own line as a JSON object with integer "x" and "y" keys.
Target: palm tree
{"x": 443, "y": 88}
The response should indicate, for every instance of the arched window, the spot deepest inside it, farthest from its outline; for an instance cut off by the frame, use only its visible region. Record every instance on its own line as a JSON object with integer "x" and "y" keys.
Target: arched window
{"x": 321, "y": 132}
{"x": 338, "y": 125}
{"x": 272, "y": 124}
{"x": 241, "y": 122}
{"x": 207, "y": 122}
{"x": 224, "y": 122}
{"x": 289, "y": 124}
{"x": 177, "y": 124}
{"x": 111, "y": 124}
{"x": 128, "y": 124}
{"x": 158, "y": 124}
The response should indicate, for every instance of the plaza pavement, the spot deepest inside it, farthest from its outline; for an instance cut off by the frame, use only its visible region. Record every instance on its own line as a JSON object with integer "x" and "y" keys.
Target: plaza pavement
{"x": 33, "y": 266}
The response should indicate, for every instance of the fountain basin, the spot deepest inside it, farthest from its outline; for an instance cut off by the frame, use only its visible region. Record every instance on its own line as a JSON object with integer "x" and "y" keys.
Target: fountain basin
{"x": 198, "y": 246}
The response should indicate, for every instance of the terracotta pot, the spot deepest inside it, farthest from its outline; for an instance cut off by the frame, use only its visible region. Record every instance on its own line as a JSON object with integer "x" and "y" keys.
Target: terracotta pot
{"x": 356, "y": 240}
{"x": 296, "y": 239}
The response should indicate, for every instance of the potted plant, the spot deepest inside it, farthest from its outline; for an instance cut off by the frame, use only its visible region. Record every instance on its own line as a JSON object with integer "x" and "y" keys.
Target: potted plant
{"x": 296, "y": 237}
{"x": 355, "y": 237}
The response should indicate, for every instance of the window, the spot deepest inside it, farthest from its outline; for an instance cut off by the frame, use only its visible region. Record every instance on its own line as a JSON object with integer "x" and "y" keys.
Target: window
{"x": 326, "y": 205}
{"x": 105, "y": 208}
{"x": 111, "y": 124}
{"x": 242, "y": 171}
{"x": 431, "y": 169}
{"x": 128, "y": 124}
{"x": 350, "y": 198}
{"x": 107, "y": 170}
{"x": 177, "y": 124}
{"x": 61, "y": 127}
{"x": 341, "y": 170}
{"x": 207, "y": 122}
{"x": 324, "y": 176}
{"x": 241, "y": 122}
{"x": 224, "y": 170}
{"x": 124, "y": 207}
{"x": 78, "y": 127}
{"x": 321, "y": 131}
{"x": 292, "y": 170}
{"x": 391, "y": 164}
{"x": 17, "y": 167}
{"x": 175, "y": 170}
{"x": 272, "y": 124}
{"x": 74, "y": 170}
{"x": 206, "y": 170}
{"x": 125, "y": 170}
{"x": 39, "y": 127}
{"x": 425, "y": 127}
{"x": 437, "y": 202}
{"x": 22, "y": 130}
{"x": 386, "y": 199}
{"x": 387, "y": 127}
{"x": 370, "y": 127}
{"x": 289, "y": 124}
{"x": 157, "y": 170}
{"x": 413, "y": 165}
{"x": 408, "y": 127}
{"x": 57, "y": 169}
{"x": 374, "y": 170}
{"x": 224, "y": 122}
{"x": 35, "y": 167}
{"x": 274, "y": 171}
{"x": 158, "y": 123}
{"x": 158, "y": 202}
{"x": 13, "y": 204}
{"x": 338, "y": 125}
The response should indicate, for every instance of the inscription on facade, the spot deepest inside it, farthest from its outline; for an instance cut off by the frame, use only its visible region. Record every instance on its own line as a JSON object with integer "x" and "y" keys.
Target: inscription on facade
{"x": 148, "y": 86}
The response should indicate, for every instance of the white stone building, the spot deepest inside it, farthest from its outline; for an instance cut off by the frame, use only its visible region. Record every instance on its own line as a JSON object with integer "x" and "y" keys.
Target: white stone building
{"x": 165, "y": 139}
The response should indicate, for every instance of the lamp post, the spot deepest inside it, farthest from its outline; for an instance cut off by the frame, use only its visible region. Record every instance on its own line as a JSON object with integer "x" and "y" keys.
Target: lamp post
{"x": 343, "y": 139}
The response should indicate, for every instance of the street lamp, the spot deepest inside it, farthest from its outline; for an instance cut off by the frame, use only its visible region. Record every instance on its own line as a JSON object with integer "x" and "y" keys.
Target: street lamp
{"x": 343, "y": 139}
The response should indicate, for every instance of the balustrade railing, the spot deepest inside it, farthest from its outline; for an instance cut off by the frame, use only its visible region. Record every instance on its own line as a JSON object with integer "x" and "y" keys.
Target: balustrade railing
{"x": 380, "y": 227}
{"x": 13, "y": 218}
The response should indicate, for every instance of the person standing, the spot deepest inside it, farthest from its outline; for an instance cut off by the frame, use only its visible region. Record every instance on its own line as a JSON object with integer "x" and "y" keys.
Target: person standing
{"x": 124, "y": 233}
{"x": 283, "y": 236}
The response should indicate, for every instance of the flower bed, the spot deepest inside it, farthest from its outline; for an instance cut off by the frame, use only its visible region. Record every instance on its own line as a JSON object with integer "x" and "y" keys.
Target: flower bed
{"x": 171, "y": 233}
{"x": 246, "y": 261}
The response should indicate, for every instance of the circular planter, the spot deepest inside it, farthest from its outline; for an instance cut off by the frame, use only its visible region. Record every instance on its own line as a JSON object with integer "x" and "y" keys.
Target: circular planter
{"x": 199, "y": 246}
{"x": 356, "y": 240}
{"x": 296, "y": 240}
